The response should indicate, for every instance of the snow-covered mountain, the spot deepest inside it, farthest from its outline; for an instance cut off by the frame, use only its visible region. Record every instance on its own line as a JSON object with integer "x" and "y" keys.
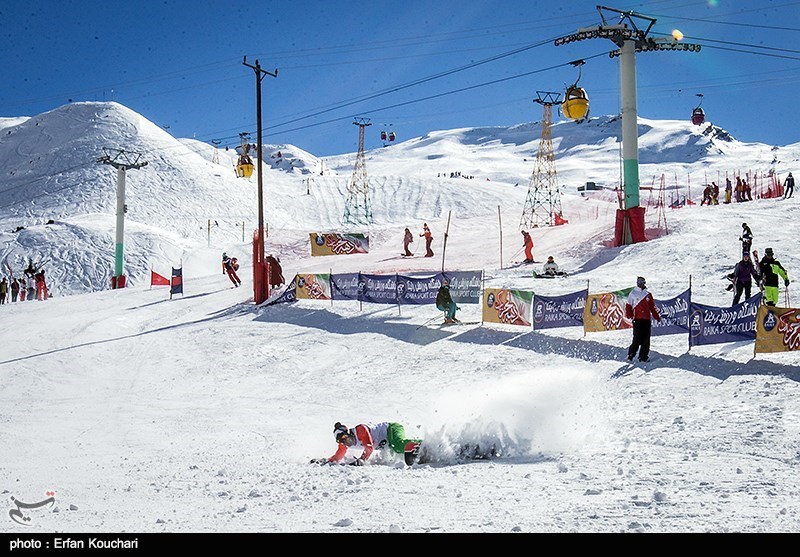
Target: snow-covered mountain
{"x": 58, "y": 203}
{"x": 201, "y": 413}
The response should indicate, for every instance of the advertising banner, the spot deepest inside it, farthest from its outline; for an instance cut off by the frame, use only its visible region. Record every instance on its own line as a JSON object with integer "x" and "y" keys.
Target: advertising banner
{"x": 345, "y": 286}
{"x": 674, "y": 315}
{"x": 334, "y": 243}
{"x": 606, "y": 312}
{"x": 509, "y": 307}
{"x": 777, "y": 329}
{"x": 313, "y": 286}
{"x": 712, "y": 325}
{"x": 550, "y": 312}
{"x": 378, "y": 289}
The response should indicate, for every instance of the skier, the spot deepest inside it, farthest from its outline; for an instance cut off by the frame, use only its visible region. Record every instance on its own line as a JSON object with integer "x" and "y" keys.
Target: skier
{"x": 445, "y": 303}
{"x": 230, "y": 266}
{"x": 3, "y": 290}
{"x": 640, "y": 307}
{"x": 528, "y": 245}
{"x": 771, "y": 270}
{"x": 741, "y": 278}
{"x": 407, "y": 239}
{"x": 428, "y": 239}
{"x": 746, "y": 238}
{"x": 14, "y": 290}
{"x": 706, "y": 195}
{"x": 728, "y": 190}
{"x": 41, "y": 285}
{"x": 788, "y": 184}
{"x": 367, "y": 438}
{"x": 23, "y": 289}
{"x": 714, "y": 193}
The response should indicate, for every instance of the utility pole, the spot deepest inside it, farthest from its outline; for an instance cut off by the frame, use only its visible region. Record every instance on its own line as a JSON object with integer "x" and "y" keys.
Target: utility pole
{"x": 630, "y": 39}
{"x": 260, "y": 270}
{"x": 122, "y": 161}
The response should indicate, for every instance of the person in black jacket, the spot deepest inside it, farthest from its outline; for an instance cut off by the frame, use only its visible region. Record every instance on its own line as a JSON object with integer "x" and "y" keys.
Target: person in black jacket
{"x": 742, "y": 276}
{"x": 772, "y": 270}
{"x": 789, "y": 185}
{"x": 746, "y": 238}
{"x": 445, "y": 303}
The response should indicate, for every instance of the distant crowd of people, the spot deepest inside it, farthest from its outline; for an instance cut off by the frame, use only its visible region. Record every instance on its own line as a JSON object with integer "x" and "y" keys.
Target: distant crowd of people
{"x": 741, "y": 192}
{"x": 31, "y": 286}
{"x": 456, "y": 174}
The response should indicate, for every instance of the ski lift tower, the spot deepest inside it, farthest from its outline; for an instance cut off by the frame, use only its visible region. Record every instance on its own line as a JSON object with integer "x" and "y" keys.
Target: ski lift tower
{"x": 630, "y": 39}
{"x": 122, "y": 161}
{"x": 357, "y": 209}
{"x": 544, "y": 199}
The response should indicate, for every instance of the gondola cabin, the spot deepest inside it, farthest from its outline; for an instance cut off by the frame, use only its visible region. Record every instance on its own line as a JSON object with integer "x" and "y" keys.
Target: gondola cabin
{"x": 391, "y": 136}
{"x": 576, "y": 104}
{"x": 698, "y": 116}
{"x": 244, "y": 166}
{"x": 383, "y": 136}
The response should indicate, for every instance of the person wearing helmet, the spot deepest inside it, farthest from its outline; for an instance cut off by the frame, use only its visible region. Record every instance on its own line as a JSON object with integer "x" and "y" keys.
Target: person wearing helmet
{"x": 369, "y": 437}
{"x": 527, "y": 243}
{"x": 230, "y": 266}
{"x": 771, "y": 271}
{"x": 640, "y": 307}
{"x": 445, "y": 303}
{"x": 746, "y": 238}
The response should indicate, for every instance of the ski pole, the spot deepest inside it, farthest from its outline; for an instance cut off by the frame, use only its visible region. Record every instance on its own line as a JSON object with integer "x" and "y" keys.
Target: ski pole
{"x": 428, "y": 321}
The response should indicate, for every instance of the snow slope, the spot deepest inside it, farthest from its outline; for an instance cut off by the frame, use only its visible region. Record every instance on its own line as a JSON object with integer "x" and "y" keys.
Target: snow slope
{"x": 201, "y": 413}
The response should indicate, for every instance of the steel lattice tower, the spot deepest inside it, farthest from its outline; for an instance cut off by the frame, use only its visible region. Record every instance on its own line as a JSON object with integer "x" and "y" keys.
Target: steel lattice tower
{"x": 357, "y": 209}
{"x": 544, "y": 199}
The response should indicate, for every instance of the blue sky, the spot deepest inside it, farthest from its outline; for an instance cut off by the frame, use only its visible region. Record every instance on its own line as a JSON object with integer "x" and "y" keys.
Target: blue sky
{"x": 478, "y": 63}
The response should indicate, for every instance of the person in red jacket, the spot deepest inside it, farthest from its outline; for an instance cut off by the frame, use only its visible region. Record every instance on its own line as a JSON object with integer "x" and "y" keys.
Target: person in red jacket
{"x": 428, "y": 239}
{"x": 230, "y": 266}
{"x": 640, "y": 307}
{"x": 528, "y": 244}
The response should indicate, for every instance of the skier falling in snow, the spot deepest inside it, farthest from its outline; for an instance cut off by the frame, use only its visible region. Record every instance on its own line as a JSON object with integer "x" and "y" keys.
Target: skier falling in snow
{"x": 385, "y": 436}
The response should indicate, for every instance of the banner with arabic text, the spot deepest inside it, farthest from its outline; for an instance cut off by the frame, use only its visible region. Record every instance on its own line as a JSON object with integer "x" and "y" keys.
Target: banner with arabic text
{"x": 465, "y": 286}
{"x": 414, "y": 290}
{"x": 674, "y": 315}
{"x": 550, "y": 312}
{"x": 712, "y": 325}
{"x": 378, "y": 289}
{"x": 777, "y": 329}
{"x": 287, "y": 296}
{"x": 345, "y": 286}
{"x": 335, "y": 243}
{"x": 313, "y": 286}
{"x": 509, "y": 307}
{"x": 606, "y": 311}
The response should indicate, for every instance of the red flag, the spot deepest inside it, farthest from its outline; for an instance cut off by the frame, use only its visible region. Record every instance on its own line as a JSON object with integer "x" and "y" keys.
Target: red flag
{"x": 158, "y": 280}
